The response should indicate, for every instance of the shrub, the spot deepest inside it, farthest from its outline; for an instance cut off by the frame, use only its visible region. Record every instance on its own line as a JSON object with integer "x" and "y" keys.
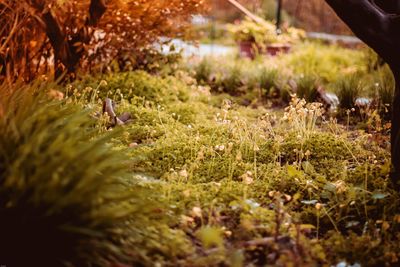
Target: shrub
{"x": 84, "y": 34}
{"x": 263, "y": 33}
{"x": 64, "y": 193}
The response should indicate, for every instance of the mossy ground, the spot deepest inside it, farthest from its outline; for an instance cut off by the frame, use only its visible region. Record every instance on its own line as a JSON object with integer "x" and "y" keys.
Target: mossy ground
{"x": 218, "y": 167}
{"x": 251, "y": 185}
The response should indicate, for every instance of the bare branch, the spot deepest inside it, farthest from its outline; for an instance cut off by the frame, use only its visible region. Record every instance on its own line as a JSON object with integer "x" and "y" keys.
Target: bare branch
{"x": 12, "y": 32}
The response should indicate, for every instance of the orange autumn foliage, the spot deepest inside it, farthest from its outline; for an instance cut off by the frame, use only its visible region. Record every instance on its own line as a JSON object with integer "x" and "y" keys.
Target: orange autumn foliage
{"x": 69, "y": 35}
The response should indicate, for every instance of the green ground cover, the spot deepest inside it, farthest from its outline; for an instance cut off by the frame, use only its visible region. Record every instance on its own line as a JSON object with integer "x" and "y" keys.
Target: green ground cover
{"x": 211, "y": 171}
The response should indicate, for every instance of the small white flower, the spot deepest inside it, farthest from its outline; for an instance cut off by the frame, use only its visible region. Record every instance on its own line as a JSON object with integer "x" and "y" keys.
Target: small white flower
{"x": 196, "y": 212}
{"x": 183, "y": 173}
{"x": 220, "y": 147}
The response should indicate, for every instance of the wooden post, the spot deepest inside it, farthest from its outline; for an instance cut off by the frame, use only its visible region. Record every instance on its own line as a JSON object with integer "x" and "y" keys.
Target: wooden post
{"x": 247, "y": 12}
{"x": 278, "y": 17}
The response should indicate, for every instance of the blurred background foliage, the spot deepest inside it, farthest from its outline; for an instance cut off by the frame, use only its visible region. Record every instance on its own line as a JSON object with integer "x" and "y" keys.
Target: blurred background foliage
{"x": 38, "y": 36}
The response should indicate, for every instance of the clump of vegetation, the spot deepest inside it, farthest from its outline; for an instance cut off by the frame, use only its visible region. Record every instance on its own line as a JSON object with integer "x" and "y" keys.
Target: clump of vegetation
{"x": 136, "y": 84}
{"x": 372, "y": 60}
{"x": 266, "y": 78}
{"x": 263, "y": 33}
{"x": 348, "y": 89}
{"x": 385, "y": 88}
{"x": 241, "y": 78}
{"x": 231, "y": 81}
{"x": 203, "y": 71}
{"x": 310, "y": 66}
{"x": 307, "y": 87}
{"x": 65, "y": 186}
{"x": 57, "y": 186}
{"x": 328, "y": 62}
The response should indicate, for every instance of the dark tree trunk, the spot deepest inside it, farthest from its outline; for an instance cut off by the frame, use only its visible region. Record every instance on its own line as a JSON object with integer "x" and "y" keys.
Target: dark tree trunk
{"x": 395, "y": 137}
{"x": 377, "y": 23}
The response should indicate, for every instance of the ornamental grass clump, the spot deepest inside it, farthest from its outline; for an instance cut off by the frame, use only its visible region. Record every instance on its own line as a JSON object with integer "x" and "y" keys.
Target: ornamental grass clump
{"x": 385, "y": 88}
{"x": 203, "y": 71}
{"x": 327, "y": 62}
{"x": 64, "y": 198}
{"x": 307, "y": 87}
{"x": 348, "y": 89}
{"x": 266, "y": 78}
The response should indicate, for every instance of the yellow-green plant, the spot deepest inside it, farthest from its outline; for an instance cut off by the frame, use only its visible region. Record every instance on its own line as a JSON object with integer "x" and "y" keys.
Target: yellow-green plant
{"x": 327, "y": 62}
{"x": 348, "y": 89}
{"x": 307, "y": 87}
{"x": 264, "y": 33}
{"x": 385, "y": 87}
{"x": 64, "y": 196}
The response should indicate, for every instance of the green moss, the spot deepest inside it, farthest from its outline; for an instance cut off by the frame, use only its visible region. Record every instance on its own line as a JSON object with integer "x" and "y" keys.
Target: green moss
{"x": 128, "y": 85}
{"x": 268, "y": 188}
{"x": 363, "y": 249}
{"x": 324, "y": 148}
